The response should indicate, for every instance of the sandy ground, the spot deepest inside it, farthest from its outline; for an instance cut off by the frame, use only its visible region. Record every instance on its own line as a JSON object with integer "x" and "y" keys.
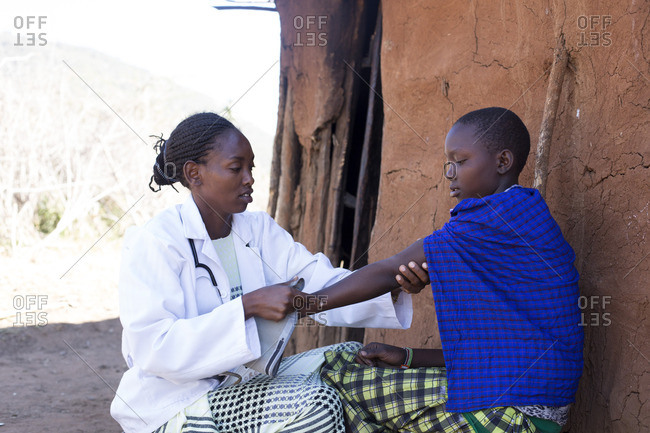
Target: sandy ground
{"x": 60, "y": 375}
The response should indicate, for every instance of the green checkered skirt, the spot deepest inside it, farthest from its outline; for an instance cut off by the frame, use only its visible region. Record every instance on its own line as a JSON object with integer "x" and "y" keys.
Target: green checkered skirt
{"x": 413, "y": 400}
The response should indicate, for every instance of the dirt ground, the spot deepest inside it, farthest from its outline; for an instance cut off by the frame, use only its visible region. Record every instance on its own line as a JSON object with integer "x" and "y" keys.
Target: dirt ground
{"x": 60, "y": 375}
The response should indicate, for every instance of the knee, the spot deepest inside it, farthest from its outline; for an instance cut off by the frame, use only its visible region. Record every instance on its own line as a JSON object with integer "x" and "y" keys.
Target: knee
{"x": 353, "y": 346}
{"x": 326, "y": 397}
{"x": 324, "y": 392}
{"x": 322, "y": 409}
{"x": 348, "y": 346}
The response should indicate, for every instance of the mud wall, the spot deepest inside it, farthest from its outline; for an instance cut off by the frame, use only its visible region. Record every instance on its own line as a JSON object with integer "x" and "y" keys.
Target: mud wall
{"x": 440, "y": 60}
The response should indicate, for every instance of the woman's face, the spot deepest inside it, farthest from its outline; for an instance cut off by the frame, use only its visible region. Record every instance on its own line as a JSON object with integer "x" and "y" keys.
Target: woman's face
{"x": 227, "y": 175}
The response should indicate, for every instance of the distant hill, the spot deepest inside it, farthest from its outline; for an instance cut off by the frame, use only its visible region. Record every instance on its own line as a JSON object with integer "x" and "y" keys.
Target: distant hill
{"x": 71, "y": 164}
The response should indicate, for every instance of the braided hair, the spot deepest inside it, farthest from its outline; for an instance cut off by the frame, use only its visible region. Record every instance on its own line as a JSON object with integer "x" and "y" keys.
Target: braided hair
{"x": 498, "y": 129}
{"x": 191, "y": 140}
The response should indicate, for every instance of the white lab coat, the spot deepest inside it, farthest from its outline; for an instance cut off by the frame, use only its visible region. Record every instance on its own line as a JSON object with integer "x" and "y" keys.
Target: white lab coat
{"x": 179, "y": 330}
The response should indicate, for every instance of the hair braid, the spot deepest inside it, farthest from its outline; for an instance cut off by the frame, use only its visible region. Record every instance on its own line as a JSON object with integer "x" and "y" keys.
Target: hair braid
{"x": 191, "y": 140}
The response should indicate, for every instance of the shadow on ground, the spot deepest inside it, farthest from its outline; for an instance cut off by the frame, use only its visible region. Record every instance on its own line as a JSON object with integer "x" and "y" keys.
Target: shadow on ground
{"x": 58, "y": 377}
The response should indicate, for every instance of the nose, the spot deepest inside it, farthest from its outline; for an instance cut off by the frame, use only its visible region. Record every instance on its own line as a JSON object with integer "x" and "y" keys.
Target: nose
{"x": 449, "y": 170}
{"x": 248, "y": 177}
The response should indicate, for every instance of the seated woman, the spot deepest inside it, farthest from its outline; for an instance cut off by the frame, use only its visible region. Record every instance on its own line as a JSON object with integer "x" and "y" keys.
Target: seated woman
{"x": 193, "y": 279}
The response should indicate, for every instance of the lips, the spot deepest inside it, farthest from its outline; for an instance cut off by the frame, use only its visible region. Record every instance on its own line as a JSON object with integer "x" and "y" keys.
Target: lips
{"x": 247, "y": 196}
{"x": 455, "y": 192}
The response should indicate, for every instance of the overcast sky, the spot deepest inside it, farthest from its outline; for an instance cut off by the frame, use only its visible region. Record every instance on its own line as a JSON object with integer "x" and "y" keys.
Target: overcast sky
{"x": 219, "y": 53}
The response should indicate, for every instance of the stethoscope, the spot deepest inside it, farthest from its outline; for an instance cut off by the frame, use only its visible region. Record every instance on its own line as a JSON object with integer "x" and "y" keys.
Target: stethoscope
{"x": 198, "y": 264}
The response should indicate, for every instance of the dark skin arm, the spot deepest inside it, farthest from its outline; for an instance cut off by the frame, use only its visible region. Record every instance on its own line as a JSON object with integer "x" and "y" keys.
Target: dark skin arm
{"x": 366, "y": 283}
{"x": 374, "y": 280}
{"x": 385, "y": 355}
{"x": 276, "y": 301}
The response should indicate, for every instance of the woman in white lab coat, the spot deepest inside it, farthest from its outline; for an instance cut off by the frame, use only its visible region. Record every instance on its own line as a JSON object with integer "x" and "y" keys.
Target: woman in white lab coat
{"x": 191, "y": 282}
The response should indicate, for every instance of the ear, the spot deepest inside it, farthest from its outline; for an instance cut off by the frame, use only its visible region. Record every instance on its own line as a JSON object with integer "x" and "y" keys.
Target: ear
{"x": 505, "y": 160}
{"x": 192, "y": 173}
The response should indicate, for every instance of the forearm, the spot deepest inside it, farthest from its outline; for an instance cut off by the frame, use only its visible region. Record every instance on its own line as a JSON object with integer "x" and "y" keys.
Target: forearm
{"x": 366, "y": 283}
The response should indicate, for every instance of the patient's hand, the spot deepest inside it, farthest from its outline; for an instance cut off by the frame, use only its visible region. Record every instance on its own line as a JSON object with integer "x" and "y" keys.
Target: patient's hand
{"x": 413, "y": 278}
{"x": 381, "y": 355}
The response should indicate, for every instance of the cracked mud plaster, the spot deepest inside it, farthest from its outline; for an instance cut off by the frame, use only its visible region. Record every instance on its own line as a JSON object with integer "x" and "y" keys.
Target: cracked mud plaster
{"x": 491, "y": 53}
{"x": 440, "y": 60}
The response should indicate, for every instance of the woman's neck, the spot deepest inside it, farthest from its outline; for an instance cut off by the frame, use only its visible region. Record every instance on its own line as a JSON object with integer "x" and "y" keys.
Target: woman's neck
{"x": 217, "y": 225}
{"x": 218, "y": 232}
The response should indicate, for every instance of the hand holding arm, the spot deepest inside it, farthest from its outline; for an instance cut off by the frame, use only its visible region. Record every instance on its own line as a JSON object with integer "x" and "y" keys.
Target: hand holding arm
{"x": 366, "y": 283}
{"x": 413, "y": 278}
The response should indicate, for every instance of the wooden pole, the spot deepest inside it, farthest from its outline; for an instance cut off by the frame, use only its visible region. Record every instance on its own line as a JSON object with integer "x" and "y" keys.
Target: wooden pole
{"x": 362, "y": 184}
{"x": 560, "y": 59}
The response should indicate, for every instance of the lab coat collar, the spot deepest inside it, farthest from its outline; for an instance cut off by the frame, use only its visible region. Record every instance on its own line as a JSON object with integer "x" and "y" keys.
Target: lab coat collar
{"x": 194, "y": 227}
{"x": 249, "y": 258}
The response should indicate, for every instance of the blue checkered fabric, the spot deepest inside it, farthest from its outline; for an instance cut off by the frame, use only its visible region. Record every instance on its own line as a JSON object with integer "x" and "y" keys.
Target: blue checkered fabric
{"x": 506, "y": 299}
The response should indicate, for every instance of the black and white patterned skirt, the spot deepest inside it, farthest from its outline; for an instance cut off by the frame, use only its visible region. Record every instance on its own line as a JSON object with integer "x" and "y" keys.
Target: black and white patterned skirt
{"x": 295, "y": 401}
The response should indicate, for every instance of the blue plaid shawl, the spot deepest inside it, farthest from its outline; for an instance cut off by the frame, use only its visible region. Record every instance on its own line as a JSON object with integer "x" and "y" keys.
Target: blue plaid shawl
{"x": 506, "y": 298}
